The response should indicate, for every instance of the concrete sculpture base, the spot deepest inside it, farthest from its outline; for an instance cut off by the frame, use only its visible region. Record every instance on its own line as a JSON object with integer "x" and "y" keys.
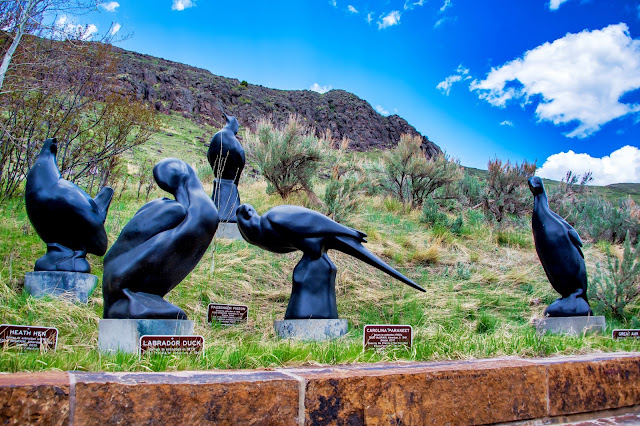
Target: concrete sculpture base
{"x": 229, "y": 231}
{"x": 571, "y": 325}
{"x": 311, "y": 329}
{"x": 124, "y": 334}
{"x": 76, "y": 285}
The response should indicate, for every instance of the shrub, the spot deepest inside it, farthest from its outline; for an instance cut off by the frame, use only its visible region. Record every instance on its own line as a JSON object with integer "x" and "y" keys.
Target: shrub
{"x": 507, "y": 190}
{"x": 287, "y": 156}
{"x": 344, "y": 186}
{"x": 470, "y": 190}
{"x": 431, "y": 213}
{"x": 600, "y": 219}
{"x": 407, "y": 174}
{"x": 612, "y": 290}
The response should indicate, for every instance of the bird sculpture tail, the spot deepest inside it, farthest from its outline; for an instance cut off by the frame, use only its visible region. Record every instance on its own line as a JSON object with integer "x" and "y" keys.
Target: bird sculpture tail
{"x": 103, "y": 200}
{"x": 354, "y": 248}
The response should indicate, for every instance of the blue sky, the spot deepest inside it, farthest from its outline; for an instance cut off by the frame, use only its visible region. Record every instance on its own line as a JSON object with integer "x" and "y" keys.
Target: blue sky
{"x": 553, "y": 81}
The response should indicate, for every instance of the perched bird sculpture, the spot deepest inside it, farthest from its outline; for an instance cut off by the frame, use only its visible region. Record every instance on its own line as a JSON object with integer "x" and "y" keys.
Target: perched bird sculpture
{"x": 559, "y": 249}
{"x": 285, "y": 229}
{"x": 159, "y": 246}
{"x": 226, "y": 157}
{"x": 67, "y": 219}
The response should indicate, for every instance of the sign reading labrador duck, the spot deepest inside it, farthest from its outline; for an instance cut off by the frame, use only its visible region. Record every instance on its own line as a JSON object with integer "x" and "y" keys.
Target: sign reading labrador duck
{"x": 227, "y": 314}
{"x": 28, "y": 337}
{"x": 171, "y": 345}
{"x": 380, "y": 336}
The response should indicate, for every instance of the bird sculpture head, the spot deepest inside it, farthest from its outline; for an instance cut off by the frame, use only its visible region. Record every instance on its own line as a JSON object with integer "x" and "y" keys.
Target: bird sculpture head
{"x": 232, "y": 123}
{"x": 535, "y": 185}
{"x": 50, "y": 147}
{"x": 171, "y": 174}
{"x": 248, "y": 221}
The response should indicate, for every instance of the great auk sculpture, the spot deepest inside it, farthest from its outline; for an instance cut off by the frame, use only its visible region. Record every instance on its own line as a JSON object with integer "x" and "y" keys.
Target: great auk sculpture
{"x": 226, "y": 157}
{"x": 284, "y": 229}
{"x": 159, "y": 246}
{"x": 560, "y": 251}
{"x": 67, "y": 219}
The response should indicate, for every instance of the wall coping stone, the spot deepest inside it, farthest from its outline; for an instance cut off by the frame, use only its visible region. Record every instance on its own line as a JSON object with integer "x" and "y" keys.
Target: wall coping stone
{"x": 504, "y": 389}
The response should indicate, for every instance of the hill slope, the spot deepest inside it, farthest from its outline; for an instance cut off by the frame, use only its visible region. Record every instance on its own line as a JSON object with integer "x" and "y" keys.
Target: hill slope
{"x": 175, "y": 87}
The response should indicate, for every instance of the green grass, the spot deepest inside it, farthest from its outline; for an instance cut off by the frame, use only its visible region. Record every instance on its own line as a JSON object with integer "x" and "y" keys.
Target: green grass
{"x": 483, "y": 288}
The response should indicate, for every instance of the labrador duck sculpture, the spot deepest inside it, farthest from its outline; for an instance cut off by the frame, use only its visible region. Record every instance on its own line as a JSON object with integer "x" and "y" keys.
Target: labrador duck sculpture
{"x": 159, "y": 246}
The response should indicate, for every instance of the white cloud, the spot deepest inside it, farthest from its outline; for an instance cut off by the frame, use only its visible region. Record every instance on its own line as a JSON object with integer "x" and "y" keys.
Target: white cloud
{"x": 410, "y": 4}
{"x": 67, "y": 27}
{"x": 441, "y": 21}
{"x": 369, "y": 17}
{"x": 333, "y": 3}
{"x": 622, "y": 165}
{"x": 115, "y": 27}
{"x": 110, "y": 7}
{"x": 320, "y": 89}
{"x": 381, "y": 110}
{"x": 445, "y": 85}
{"x": 352, "y": 9}
{"x": 445, "y": 6}
{"x": 555, "y": 4}
{"x": 182, "y": 4}
{"x": 577, "y": 78}
{"x": 507, "y": 123}
{"x": 389, "y": 20}
{"x": 462, "y": 73}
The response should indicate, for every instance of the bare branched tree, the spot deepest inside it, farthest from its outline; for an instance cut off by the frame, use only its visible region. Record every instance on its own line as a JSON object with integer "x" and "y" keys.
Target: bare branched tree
{"x": 39, "y": 17}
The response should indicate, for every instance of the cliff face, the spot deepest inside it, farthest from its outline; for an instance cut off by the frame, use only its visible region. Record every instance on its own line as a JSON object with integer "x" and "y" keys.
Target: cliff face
{"x": 175, "y": 87}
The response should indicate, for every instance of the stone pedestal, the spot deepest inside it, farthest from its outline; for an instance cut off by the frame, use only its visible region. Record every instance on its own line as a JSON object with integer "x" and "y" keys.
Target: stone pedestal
{"x": 571, "y": 325}
{"x": 76, "y": 285}
{"x": 124, "y": 334}
{"x": 311, "y": 329}
{"x": 229, "y": 231}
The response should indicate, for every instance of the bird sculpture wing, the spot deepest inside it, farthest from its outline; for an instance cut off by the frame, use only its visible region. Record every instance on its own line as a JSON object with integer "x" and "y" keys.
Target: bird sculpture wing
{"x": 153, "y": 218}
{"x": 573, "y": 234}
{"x": 306, "y": 223}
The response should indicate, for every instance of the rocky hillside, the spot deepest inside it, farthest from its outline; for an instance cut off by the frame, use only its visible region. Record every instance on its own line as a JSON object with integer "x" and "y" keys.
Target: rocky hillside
{"x": 175, "y": 87}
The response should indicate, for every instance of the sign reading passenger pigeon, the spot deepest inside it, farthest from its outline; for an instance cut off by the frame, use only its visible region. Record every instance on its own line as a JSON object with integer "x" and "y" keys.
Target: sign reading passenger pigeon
{"x": 171, "y": 345}
{"x": 227, "y": 314}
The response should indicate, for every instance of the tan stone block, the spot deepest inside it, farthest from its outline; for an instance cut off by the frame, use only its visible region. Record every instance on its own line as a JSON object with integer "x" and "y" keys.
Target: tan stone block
{"x": 430, "y": 393}
{"x": 228, "y": 397}
{"x": 34, "y": 398}
{"x": 593, "y": 383}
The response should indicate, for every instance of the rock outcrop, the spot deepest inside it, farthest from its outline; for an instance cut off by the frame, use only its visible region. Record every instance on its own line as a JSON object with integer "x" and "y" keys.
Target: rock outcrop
{"x": 175, "y": 87}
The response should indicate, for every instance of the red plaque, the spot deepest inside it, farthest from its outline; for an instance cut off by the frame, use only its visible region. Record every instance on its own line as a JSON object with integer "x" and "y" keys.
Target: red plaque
{"x": 227, "y": 314}
{"x": 379, "y": 336}
{"x": 28, "y": 337}
{"x": 171, "y": 345}
{"x": 626, "y": 334}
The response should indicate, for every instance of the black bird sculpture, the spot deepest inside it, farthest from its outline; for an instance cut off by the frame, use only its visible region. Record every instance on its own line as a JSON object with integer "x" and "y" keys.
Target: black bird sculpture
{"x": 559, "y": 248}
{"x": 67, "y": 219}
{"x": 226, "y": 157}
{"x": 159, "y": 246}
{"x": 284, "y": 229}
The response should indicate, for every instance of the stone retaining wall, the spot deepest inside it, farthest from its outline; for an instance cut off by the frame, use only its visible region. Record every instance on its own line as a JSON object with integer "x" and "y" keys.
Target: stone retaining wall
{"x": 418, "y": 393}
